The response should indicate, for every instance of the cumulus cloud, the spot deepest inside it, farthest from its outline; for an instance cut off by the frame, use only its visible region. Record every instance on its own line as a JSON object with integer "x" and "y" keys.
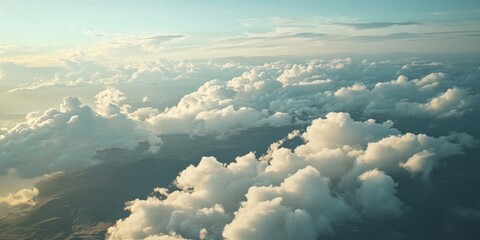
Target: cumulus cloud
{"x": 450, "y": 103}
{"x": 343, "y": 171}
{"x": 376, "y": 195}
{"x": 402, "y": 97}
{"x": 212, "y": 108}
{"x": 67, "y": 138}
{"x": 112, "y": 47}
{"x": 279, "y": 93}
{"x": 22, "y": 199}
{"x": 109, "y": 102}
{"x": 283, "y": 93}
{"x": 300, "y": 90}
{"x": 299, "y": 73}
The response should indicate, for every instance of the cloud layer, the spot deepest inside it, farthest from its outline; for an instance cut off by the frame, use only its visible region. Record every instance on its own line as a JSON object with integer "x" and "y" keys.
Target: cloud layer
{"x": 344, "y": 171}
{"x": 66, "y": 139}
{"x": 271, "y": 94}
{"x": 282, "y": 93}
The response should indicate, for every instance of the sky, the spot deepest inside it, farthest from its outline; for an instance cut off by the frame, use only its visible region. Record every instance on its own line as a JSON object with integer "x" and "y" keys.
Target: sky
{"x": 42, "y": 32}
{"x": 39, "y": 38}
{"x": 381, "y": 99}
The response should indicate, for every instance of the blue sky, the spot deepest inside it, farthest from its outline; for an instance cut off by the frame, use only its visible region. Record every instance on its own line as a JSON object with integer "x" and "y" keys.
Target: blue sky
{"x": 44, "y": 19}
{"x": 42, "y": 31}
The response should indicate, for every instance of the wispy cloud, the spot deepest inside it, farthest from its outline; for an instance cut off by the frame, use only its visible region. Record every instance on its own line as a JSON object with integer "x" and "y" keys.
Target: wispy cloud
{"x": 149, "y": 42}
{"x": 372, "y": 25}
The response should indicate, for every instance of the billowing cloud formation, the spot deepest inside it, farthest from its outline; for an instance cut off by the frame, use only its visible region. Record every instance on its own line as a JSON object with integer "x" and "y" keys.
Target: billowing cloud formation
{"x": 212, "y": 108}
{"x": 249, "y": 95}
{"x": 344, "y": 171}
{"x": 376, "y": 195}
{"x": 282, "y": 93}
{"x": 68, "y": 138}
{"x": 272, "y": 94}
{"x": 24, "y": 198}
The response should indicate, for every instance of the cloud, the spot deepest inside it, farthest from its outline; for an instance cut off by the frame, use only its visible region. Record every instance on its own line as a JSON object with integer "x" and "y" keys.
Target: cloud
{"x": 451, "y": 102}
{"x": 268, "y": 36}
{"x": 66, "y": 139}
{"x": 289, "y": 210}
{"x": 113, "y": 47}
{"x": 282, "y": 93}
{"x": 77, "y": 72}
{"x": 278, "y": 36}
{"x": 401, "y": 97}
{"x": 151, "y": 43}
{"x": 22, "y": 199}
{"x": 372, "y": 25}
{"x": 109, "y": 102}
{"x": 212, "y": 108}
{"x": 278, "y": 93}
{"x": 376, "y": 195}
{"x": 306, "y": 192}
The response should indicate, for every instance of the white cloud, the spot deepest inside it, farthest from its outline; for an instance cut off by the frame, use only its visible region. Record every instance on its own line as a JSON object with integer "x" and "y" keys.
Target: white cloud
{"x": 276, "y": 93}
{"x": 213, "y": 108}
{"x": 12, "y": 182}
{"x": 109, "y": 103}
{"x": 338, "y": 130}
{"x": 299, "y": 73}
{"x": 119, "y": 46}
{"x": 453, "y": 102}
{"x": 22, "y": 199}
{"x": 272, "y": 94}
{"x": 301, "y": 92}
{"x": 376, "y": 195}
{"x": 79, "y": 73}
{"x": 289, "y": 210}
{"x": 153, "y": 42}
{"x": 66, "y": 139}
{"x": 432, "y": 80}
{"x": 302, "y": 192}
{"x": 420, "y": 163}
